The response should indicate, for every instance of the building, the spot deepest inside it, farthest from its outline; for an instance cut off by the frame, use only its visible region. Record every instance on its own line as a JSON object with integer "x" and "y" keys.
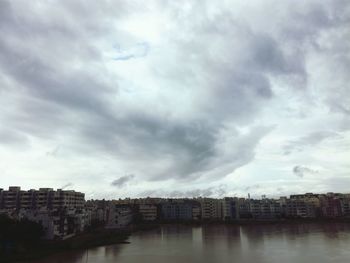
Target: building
{"x": 176, "y": 210}
{"x": 10, "y": 199}
{"x": 98, "y": 211}
{"x": 61, "y": 213}
{"x": 56, "y": 224}
{"x": 196, "y": 211}
{"x": 265, "y": 209}
{"x": 345, "y": 205}
{"x": 148, "y": 212}
{"x": 331, "y": 205}
{"x": 276, "y": 210}
{"x": 303, "y": 205}
{"x": 44, "y": 198}
{"x": 230, "y": 209}
{"x": 210, "y": 208}
{"x": 66, "y": 199}
{"x": 244, "y": 208}
{"x": 300, "y": 208}
{"x": 119, "y": 216}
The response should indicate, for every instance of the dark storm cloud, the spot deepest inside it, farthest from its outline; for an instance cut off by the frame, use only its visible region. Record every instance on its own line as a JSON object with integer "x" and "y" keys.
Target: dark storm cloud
{"x": 268, "y": 55}
{"x": 60, "y": 86}
{"x": 236, "y": 74}
{"x": 48, "y": 83}
{"x": 300, "y": 171}
{"x": 122, "y": 181}
{"x": 188, "y": 148}
{"x": 237, "y": 95}
{"x": 234, "y": 94}
{"x": 154, "y": 138}
{"x": 77, "y": 89}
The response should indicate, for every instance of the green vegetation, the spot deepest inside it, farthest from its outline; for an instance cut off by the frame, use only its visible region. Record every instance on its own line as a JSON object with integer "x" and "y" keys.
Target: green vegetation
{"x": 18, "y": 237}
{"x": 22, "y": 240}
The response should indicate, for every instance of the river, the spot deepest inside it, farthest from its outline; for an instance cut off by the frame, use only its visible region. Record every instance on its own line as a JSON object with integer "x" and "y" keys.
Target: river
{"x": 223, "y": 243}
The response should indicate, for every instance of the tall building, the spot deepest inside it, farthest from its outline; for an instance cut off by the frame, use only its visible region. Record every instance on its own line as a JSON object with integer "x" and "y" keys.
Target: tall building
{"x": 61, "y": 213}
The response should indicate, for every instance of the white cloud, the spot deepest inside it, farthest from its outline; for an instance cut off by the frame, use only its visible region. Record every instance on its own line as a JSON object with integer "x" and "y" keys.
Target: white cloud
{"x": 176, "y": 93}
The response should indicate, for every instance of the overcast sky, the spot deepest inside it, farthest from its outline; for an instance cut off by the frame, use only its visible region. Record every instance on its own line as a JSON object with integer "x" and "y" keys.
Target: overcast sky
{"x": 175, "y": 98}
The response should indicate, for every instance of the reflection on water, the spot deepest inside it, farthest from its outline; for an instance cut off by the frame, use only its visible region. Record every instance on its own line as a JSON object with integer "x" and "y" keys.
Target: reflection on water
{"x": 224, "y": 243}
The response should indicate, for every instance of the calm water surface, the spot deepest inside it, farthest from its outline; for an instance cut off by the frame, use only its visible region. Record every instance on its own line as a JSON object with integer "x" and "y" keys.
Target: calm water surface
{"x": 223, "y": 243}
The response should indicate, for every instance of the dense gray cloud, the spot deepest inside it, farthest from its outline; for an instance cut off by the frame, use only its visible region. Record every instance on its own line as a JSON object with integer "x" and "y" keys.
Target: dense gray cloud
{"x": 300, "y": 171}
{"x": 181, "y": 92}
{"x": 122, "y": 181}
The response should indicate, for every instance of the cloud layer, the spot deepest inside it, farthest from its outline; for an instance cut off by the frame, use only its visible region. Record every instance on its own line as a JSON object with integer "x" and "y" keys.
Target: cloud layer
{"x": 187, "y": 95}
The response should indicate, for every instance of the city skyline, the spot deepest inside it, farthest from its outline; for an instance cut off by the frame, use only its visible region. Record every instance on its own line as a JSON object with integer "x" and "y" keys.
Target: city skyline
{"x": 252, "y": 195}
{"x": 64, "y": 214}
{"x": 175, "y": 99}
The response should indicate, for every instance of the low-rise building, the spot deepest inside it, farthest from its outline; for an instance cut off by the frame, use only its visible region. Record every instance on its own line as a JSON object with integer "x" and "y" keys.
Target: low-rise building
{"x": 98, "y": 211}
{"x": 345, "y": 205}
{"x": 196, "y": 212}
{"x": 176, "y": 210}
{"x": 211, "y": 208}
{"x": 244, "y": 208}
{"x": 119, "y": 216}
{"x": 230, "y": 209}
{"x": 148, "y": 212}
{"x": 331, "y": 205}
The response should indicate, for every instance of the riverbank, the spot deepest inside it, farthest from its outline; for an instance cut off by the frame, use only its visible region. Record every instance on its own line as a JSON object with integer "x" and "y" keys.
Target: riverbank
{"x": 94, "y": 238}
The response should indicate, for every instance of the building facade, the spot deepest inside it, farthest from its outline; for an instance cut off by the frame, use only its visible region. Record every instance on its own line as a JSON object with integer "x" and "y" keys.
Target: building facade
{"x": 119, "y": 216}
{"x": 210, "y": 208}
{"x": 44, "y": 198}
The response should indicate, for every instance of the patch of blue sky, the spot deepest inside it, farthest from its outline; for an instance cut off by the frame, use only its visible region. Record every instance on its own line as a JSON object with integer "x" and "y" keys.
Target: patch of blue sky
{"x": 137, "y": 51}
